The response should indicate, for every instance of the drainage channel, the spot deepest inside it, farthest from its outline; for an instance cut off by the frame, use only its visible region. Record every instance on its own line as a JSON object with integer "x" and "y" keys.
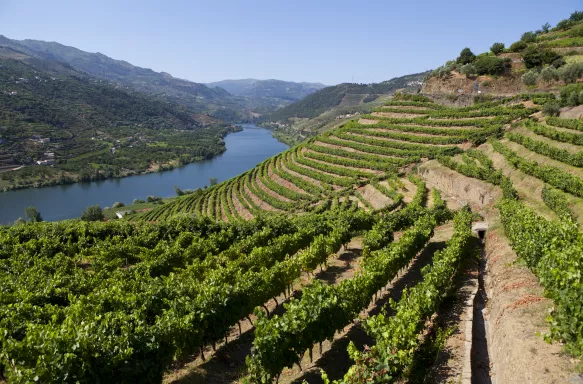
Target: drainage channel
{"x": 480, "y": 359}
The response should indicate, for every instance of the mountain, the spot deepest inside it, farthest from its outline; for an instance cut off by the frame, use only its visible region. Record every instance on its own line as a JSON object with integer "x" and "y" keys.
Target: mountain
{"x": 344, "y": 94}
{"x": 196, "y": 96}
{"x": 86, "y": 128}
{"x": 285, "y": 90}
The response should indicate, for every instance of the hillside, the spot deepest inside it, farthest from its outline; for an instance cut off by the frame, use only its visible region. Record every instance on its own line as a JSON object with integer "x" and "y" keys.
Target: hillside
{"x": 542, "y": 60}
{"x": 80, "y": 128}
{"x": 287, "y": 91}
{"x": 195, "y": 96}
{"x": 330, "y": 106}
{"x": 346, "y": 94}
{"x": 418, "y": 242}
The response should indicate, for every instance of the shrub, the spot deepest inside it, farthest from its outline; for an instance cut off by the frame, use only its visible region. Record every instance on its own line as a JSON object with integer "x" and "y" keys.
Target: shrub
{"x": 468, "y": 70}
{"x": 529, "y": 78}
{"x": 153, "y": 199}
{"x": 549, "y": 74}
{"x": 551, "y": 108}
{"x": 528, "y": 37}
{"x": 563, "y": 25}
{"x": 573, "y": 99}
{"x": 535, "y": 57}
{"x": 32, "y": 214}
{"x": 571, "y": 72}
{"x": 466, "y": 56}
{"x": 518, "y": 46}
{"x": 570, "y": 94}
{"x": 497, "y": 48}
{"x": 576, "y": 16}
{"x": 138, "y": 201}
{"x": 93, "y": 213}
{"x": 491, "y": 65}
{"x": 546, "y": 27}
{"x": 118, "y": 204}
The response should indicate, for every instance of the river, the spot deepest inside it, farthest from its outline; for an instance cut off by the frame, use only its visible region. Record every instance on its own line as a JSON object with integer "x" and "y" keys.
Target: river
{"x": 245, "y": 149}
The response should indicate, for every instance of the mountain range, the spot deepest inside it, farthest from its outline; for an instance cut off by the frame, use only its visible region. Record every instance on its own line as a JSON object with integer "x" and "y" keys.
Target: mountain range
{"x": 230, "y": 100}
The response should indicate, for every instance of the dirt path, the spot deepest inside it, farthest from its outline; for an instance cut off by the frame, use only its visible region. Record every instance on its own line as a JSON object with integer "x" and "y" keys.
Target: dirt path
{"x": 349, "y": 149}
{"x": 227, "y": 364}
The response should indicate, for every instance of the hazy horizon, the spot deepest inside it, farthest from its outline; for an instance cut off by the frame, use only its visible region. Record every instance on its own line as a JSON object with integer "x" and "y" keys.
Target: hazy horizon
{"x": 325, "y": 42}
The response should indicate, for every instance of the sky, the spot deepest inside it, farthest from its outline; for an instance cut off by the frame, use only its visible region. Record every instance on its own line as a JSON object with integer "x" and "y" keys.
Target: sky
{"x": 301, "y": 40}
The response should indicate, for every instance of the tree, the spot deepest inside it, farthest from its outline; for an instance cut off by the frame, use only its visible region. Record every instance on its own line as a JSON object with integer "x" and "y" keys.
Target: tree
{"x": 497, "y": 48}
{"x": 551, "y": 108}
{"x": 466, "y": 56}
{"x": 528, "y": 37}
{"x": 549, "y": 74}
{"x": 573, "y": 99}
{"x": 213, "y": 181}
{"x": 19, "y": 221}
{"x": 118, "y": 204}
{"x": 518, "y": 46}
{"x": 576, "y": 16}
{"x": 546, "y": 27}
{"x": 179, "y": 192}
{"x": 93, "y": 213}
{"x": 491, "y": 65}
{"x": 468, "y": 70}
{"x": 32, "y": 214}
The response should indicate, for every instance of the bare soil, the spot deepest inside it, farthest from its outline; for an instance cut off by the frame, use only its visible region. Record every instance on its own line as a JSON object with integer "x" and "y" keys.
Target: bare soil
{"x": 367, "y": 121}
{"x": 374, "y": 196}
{"x": 397, "y": 115}
{"x": 241, "y": 210}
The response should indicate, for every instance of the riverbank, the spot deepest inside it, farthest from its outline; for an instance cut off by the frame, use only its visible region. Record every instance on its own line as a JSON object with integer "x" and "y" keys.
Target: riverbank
{"x": 40, "y": 176}
{"x": 244, "y": 150}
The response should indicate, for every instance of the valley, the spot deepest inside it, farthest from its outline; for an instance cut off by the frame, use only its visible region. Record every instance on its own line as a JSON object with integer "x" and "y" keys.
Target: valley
{"x": 424, "y": 229}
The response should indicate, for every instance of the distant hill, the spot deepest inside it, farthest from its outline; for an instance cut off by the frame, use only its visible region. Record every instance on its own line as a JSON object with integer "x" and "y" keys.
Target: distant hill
{"x": 88, "y": 128}
{"x": 196, "y": 96}
{"x": 285, "y": 90}
{"x": 344, "y": 94}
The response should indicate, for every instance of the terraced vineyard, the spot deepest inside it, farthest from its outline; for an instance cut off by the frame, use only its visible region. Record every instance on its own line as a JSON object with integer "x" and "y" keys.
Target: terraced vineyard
{"x": 358, "y": 161}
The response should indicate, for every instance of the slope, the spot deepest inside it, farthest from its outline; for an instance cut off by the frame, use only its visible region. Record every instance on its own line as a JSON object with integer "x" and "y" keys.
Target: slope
{"x": 80, "y": 128}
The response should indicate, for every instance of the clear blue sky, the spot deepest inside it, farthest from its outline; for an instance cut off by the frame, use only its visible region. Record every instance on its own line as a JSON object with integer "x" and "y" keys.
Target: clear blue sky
{"x": 300, "y": 40}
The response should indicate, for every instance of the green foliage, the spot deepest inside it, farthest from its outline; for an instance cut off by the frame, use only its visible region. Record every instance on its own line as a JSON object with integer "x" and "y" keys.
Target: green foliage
{"x": 518, "y": 46}
{"x": 32, "y": 214}
{"x": 497, "y": 48}
{"x": 466, "y": 56}
{"x": 529, "y": 78}
{"x": 574, "y": 124}
{"x": 546, "y": 27}
{"x": 551, "y": 108}
{"x": 118, "y": 204}
{"x": 571, "y": 72}
{"x": 535, "y": 57}
{"x": 213, "y": 181}
{"x": 553, "y": 251}
{"x": 545, "y": 149}
{"x": 491, "y": 65}
{"x": 397, "y": 337}
{"x": 93, "y": 213}
{"x": 570, "y": 94}
{"x": 528, "y": 37}
{"x": 551, "y": 175}
{"x": 549, "y": 74}
{"x": 557, "y": 201}
{"x": 153, "y": 199}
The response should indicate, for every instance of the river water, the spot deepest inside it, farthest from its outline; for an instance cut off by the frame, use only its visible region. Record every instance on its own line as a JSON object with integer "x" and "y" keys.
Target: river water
{"x": 245, "y": 149}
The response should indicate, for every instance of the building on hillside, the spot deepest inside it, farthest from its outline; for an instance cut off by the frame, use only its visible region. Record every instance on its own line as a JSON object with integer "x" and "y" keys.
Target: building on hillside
{"x": 121, "y": 214}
